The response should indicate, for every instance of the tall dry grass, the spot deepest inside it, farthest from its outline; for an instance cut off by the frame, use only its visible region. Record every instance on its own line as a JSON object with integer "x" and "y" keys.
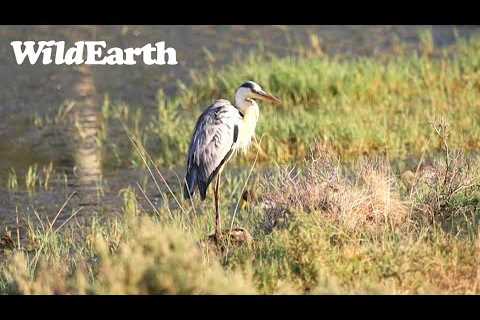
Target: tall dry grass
{"x": 322, "y": 227}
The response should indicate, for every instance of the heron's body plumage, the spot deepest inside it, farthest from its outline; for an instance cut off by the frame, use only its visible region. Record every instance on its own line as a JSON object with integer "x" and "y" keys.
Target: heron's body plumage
{"x": 220, "y": 131}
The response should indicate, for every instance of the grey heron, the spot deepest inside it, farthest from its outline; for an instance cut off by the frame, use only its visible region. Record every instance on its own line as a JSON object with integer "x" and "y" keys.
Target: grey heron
{"x": 221, "y": 130}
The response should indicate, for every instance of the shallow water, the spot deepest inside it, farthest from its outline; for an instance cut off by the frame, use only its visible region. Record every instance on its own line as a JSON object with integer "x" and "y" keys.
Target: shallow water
{"x": 28, "y": 90}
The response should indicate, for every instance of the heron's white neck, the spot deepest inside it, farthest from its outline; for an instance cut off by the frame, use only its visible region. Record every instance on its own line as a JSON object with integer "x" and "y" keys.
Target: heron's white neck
{"x": 249, "y": 109}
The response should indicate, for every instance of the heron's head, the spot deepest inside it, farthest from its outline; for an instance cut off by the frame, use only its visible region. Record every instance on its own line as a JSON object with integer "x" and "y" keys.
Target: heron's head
{"x": 253, "y": 91}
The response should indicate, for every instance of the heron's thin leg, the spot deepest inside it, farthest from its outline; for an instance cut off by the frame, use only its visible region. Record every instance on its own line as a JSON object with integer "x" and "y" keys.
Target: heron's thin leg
{"x": 218, "y": 223}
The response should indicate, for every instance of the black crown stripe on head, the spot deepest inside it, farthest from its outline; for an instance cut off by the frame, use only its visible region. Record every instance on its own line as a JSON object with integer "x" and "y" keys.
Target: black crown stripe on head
{"x": 248, "y": 84}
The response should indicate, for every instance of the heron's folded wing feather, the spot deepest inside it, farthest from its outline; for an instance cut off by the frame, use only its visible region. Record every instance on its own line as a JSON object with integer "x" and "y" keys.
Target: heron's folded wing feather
{"x": 214, "y": 137}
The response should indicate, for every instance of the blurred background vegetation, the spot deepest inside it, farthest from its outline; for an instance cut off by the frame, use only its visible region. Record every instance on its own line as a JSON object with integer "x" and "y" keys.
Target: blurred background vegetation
{"x": 365, "y": 178}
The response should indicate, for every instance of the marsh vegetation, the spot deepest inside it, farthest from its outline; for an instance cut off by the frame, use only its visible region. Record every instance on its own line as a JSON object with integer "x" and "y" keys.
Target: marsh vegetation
{"x": 365, "y": 180}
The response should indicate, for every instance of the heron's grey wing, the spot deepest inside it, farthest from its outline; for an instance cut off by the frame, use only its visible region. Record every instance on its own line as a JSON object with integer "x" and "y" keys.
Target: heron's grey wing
{"x": 213, "y": 141}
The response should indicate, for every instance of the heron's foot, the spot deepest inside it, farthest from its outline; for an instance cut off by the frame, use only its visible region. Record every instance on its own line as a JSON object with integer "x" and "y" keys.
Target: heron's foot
{"x": 236, "y": 237}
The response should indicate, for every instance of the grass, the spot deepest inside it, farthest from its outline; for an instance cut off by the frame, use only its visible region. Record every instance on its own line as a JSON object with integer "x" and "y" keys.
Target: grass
{"x": 35, "y": 179}
{"x": 358, "y": 106}
{"x": 323, "y": 228}
{"x": 335, "y": 205}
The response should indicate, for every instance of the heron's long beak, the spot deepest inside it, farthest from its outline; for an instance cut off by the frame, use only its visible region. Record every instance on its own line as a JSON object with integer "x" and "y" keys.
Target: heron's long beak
{"x": 268, "y": 97}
